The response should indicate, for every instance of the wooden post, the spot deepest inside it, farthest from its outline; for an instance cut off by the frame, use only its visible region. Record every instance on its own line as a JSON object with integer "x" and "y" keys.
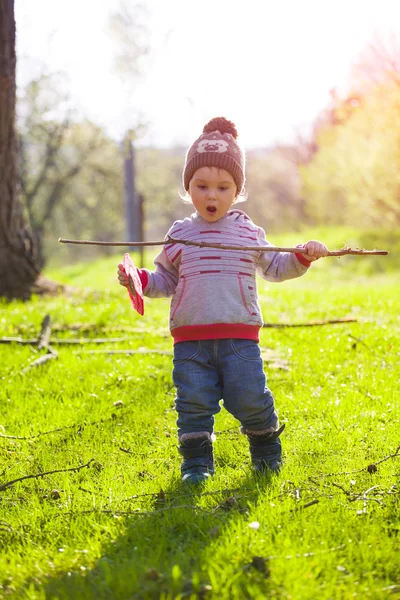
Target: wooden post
{"x": 133, "y": 200}
{"x": 141, "y": 228}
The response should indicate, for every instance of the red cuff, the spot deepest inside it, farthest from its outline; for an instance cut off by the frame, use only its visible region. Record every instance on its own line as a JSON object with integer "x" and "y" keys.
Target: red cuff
{"x": 300, "y": 257}
{"x": 144, "y": 278}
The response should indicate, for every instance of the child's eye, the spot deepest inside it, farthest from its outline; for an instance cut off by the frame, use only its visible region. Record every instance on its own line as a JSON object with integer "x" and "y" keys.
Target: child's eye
{"x": 201, "y": 187}
{"x": 222, "y": 188}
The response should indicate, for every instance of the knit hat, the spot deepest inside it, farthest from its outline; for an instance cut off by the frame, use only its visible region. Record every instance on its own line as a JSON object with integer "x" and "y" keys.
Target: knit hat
{"x": 216, "y": 147}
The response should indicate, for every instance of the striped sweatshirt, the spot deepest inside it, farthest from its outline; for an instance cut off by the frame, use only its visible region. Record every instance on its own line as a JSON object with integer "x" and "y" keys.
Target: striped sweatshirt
{"x": 214, "y": 292}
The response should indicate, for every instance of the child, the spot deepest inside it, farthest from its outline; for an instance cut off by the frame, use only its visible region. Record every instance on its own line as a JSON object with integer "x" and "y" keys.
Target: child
{"x": 215, "y": 317}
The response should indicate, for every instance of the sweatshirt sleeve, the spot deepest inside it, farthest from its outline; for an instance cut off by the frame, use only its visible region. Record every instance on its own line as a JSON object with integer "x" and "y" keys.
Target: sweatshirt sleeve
{"x": 278, "y": 266}
{"x": 162, "y": 282}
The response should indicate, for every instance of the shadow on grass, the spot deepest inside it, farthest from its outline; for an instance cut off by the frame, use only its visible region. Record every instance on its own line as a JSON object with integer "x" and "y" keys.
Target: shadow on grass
{"x": 160, "y": 554}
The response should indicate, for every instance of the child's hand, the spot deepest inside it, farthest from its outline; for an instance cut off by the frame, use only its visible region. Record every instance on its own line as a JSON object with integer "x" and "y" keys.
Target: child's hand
{"x": 315, "y": 250}
{"x": 122, "y": 278}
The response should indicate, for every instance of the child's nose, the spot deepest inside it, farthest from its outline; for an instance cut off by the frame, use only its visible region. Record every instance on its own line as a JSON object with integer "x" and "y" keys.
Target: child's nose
{"x": 211, "y": 194}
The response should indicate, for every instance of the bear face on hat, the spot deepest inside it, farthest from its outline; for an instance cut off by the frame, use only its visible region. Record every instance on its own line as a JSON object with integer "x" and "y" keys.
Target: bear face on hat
{"x": 216, "y": 147}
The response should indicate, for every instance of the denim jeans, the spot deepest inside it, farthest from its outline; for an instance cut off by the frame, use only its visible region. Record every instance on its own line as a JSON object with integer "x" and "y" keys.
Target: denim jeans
{"x": 207, "y": 371}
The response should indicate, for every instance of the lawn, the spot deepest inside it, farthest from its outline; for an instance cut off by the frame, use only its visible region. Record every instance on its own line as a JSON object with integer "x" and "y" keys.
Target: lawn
{"x": 116, "y": 523}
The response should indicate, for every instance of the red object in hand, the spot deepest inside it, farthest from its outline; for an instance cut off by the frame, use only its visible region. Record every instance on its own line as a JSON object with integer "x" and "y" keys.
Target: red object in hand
{"x": 135, "y": 290}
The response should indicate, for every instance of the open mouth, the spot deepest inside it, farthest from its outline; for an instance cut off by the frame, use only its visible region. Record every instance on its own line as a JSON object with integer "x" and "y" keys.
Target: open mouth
{"x": 211, "y": 210}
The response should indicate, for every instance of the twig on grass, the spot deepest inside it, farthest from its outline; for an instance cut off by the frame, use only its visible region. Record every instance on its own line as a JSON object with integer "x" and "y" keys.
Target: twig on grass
{"x": 45, "y": 333}
{"x": 136, "y": 513}
{"x": 126, "y": 352}
{"x": 365, "y": 500}
{"x": 347, "y": 492}
{"x": 307, "y": 505}
{"x": 394, "y": 455}
{"x": 43, "y": 343}
{"x": 8, "y": 484}
{"x": 307, "y": 554}
{"x": 90, "y": 341}
{"x": 371, "y": 468}
{"x": 171, "y": 240}
{"x": 18, "y": 340}
{"x": 75, "y": 425}
{"x": 311, "y": 323}
{"x": 156, "y": 494}
{"x": 41, "y": 361}
{"x": 96, "y": 327}
{"x": 60, "y": 342}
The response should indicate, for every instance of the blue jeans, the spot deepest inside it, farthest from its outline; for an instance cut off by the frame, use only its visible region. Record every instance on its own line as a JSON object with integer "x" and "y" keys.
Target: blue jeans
{"x": 207, "y": 371}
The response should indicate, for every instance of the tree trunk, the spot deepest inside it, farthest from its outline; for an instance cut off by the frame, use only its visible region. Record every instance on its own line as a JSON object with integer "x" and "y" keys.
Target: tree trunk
{"x": 19, "y": 262}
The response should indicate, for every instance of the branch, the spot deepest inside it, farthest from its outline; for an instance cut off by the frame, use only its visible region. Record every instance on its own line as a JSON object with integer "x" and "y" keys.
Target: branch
{"x": 8, "y": 484}
{"x": 53, "y": 145}
{"x": 58, "y": 341}
{"x": 171, "y": 240}
{"x": 310, "y": 324}
{"x": 126, "y": 352}
{"x": 41, "y": 361}
{"x": 78, "y": 426}
{"x": 45, "y": 333}
{"x": 371, "y": 468}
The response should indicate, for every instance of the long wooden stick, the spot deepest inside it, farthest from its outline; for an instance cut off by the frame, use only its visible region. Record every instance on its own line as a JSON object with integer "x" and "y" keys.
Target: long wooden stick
{"x": 171, "y": 240}
{"x": 6, "y": 485}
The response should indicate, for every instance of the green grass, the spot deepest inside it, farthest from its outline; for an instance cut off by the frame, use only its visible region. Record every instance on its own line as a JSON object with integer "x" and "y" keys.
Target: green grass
{"x": 123, "y": 527}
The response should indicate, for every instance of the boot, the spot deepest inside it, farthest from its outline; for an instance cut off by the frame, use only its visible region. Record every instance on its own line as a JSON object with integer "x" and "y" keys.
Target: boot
{"x": 198, "y": 463}
{"x": 266, "y": 451}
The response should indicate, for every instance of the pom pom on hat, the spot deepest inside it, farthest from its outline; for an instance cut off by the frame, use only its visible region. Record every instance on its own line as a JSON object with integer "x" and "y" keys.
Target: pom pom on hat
{"x": 222, "y": 125}
{"x": 216, "y": 147}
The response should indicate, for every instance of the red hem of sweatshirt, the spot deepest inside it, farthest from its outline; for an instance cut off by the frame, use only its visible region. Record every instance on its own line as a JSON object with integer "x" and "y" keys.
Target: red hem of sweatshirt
{"x": 302, "y": 260}
{"x": 300, "y": 257}
{"x": 215, "y": 331}
{"x": 144, "y": 277}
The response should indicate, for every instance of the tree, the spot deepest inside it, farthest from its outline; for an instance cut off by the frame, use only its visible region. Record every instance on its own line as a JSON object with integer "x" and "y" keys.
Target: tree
{"x": 19, "y": 261}
{"x": 353, "y": 178}
{"x": 70, "y": 170}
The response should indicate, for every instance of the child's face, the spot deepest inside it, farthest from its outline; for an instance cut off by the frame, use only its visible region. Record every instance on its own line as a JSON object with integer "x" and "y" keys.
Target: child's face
{"x": 213, "y": 191}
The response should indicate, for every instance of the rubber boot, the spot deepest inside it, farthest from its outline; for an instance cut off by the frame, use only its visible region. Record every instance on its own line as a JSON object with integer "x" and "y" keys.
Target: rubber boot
{"x": 198, "y": 463}
{"x": 266, "y": 451}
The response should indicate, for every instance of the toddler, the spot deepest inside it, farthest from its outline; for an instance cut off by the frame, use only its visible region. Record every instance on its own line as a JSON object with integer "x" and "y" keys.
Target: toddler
{"x": 215, "y": 317}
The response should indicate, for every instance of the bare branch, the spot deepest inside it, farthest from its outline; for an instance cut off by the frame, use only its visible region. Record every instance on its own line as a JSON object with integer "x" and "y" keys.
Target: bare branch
{"x": 310, "y": 324}
{"x": 45, "y": 333}
{"x": 8, "y": 484}
{"x": 171, "y": 240}
{"x": 41, "y": 361}
{"x": 55, "y": 341}
{"x": 126, "y": 352}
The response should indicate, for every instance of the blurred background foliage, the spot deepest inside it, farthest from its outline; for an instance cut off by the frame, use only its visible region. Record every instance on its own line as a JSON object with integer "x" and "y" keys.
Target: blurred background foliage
{"x": 346, "y": 172}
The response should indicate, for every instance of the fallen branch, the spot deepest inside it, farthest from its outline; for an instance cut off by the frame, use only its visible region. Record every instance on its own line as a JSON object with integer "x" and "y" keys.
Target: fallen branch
{"x": 95, "y": 327}
{"x": 171, "y": 240}
{"x": 311, "y": 503}
{"x": 19, "y": 340}
{"x": 307, "y": 554}
{"x": 311, "y": 323}
{"x": 8, "y": 484}
{"x": 42, "y": 342}
{"x": 78, "y": 426}
{"x": 126, "y": 352}
{"x": 394, "y": 455}
{"x": 371, "y": 468}
{"x": 41, "y": 361}
{"x": 136, "y": 513}
{"x": 89, "y": 341}
{"x": 62, "y": 342}
{"x": 45, "y": 333}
